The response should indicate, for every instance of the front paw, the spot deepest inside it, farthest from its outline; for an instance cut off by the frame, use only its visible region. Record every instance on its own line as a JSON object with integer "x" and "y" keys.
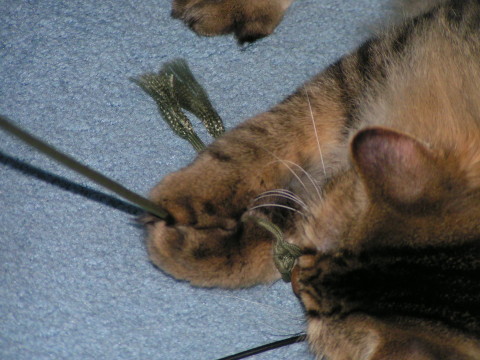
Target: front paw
{"x": 249, "y": 20}
{"x": 213, "y": 257}
{"x": 204, "y": 241}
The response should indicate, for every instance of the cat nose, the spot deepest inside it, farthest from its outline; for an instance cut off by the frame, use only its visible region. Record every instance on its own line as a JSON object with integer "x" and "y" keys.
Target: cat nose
{"x": 294, "y": 281}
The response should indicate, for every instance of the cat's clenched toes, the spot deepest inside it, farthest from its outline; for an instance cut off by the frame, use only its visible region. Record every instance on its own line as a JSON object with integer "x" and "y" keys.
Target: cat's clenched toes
{"x": 204, "y": 240}
{"x": 248, "y": 20}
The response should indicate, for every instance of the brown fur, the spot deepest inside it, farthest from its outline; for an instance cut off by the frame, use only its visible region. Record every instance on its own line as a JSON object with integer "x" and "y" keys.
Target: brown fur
{"x": 392, "y": 194}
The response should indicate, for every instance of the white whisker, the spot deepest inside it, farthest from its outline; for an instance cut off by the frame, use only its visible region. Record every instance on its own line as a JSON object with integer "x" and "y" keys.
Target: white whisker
{"x": 286, "y": 162}
{"x": 316, "y": 133}
{"x": 278, "y": 205}
{"x": 283, "y": 194}
{"x": 315, "y": 185}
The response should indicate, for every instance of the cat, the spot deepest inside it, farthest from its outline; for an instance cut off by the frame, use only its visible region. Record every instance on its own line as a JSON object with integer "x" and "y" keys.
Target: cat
{"x": 377, "y": 162}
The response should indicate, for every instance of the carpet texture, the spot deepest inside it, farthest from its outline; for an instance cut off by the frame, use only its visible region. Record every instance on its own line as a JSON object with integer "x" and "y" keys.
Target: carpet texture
{"x": 75, "y": 280}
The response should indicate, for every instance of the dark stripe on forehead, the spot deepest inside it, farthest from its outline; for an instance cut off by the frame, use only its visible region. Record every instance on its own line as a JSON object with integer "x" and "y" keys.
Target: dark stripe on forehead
{"x": 456, "y": 11}
{"x": 474, "y": 23}
{"x": 365, "y": 61}
{"x": 347, "y": 95}
{"x": 405, "y": 32}
{"x": 470, "y": 18}
{"x": 402, "y": 38}
{"x": 338, "y": 73}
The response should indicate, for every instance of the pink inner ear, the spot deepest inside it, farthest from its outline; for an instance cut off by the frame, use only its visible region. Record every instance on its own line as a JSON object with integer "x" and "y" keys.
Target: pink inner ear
{"x": 394, "y": 166}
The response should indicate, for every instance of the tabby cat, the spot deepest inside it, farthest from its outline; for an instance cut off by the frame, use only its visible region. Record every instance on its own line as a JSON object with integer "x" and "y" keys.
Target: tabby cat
{"x": 372, "y": 168}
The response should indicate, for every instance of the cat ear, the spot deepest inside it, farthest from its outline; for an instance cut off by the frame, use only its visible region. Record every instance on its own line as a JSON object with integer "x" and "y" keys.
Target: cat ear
{"x": 397, "y": 167}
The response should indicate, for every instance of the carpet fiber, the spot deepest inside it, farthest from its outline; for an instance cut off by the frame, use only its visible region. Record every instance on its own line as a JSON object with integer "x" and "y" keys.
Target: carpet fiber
{"x": 75, "y": 280}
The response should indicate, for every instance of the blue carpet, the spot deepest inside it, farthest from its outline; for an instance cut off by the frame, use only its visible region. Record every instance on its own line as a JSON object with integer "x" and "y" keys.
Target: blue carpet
{"x": 75, "y": 278}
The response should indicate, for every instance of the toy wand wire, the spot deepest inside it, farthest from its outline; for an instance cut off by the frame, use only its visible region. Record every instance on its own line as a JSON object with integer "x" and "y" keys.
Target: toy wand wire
{"x": 73, "y": 164}
{"x": 266, "y": 347}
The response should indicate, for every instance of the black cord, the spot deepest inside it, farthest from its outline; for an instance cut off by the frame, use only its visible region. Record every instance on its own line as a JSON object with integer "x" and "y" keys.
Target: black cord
{"x": 266, "y": 347}
{"x": 76, "y": 166}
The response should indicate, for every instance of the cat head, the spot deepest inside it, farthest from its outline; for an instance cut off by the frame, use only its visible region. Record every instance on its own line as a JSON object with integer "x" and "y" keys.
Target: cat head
{"x": 398, "y": 190}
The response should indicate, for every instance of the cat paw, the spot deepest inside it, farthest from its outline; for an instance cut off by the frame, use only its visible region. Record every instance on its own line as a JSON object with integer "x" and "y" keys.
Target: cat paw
{"x": 204, "y": 240}
{"x": 248, "y": 20}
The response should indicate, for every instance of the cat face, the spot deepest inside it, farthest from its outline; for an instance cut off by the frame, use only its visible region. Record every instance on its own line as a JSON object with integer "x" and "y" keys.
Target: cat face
{"x": 401, "y": 218}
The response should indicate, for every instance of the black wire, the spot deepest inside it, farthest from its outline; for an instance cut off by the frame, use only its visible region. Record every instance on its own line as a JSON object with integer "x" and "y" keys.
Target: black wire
{"x": 266, "y": 347}
{"x": 76, "y": 166}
